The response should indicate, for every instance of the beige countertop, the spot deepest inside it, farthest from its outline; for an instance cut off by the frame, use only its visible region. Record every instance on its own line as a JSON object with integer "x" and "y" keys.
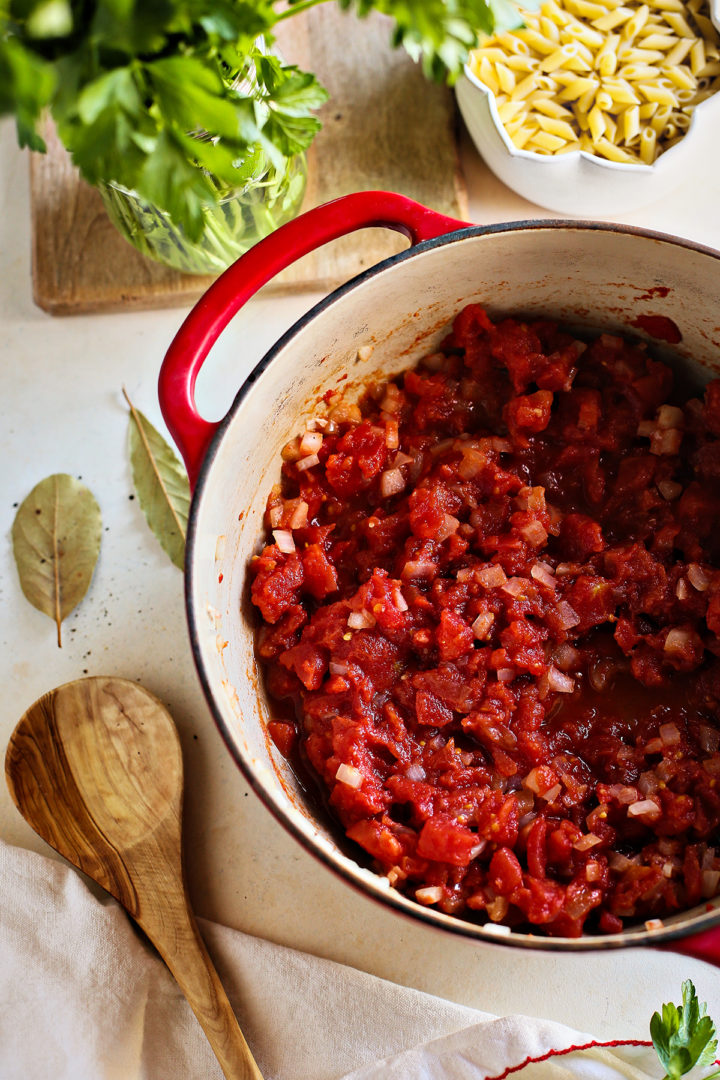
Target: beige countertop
{"x": 62, "y": 411}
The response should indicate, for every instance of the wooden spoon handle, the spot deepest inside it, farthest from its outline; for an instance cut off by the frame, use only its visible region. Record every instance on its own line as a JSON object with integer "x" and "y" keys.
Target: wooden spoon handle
{"x": 183, "y": 950}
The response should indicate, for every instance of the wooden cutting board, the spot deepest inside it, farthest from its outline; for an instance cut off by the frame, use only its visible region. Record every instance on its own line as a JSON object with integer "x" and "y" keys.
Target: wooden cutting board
{"x": 384, "y": 127}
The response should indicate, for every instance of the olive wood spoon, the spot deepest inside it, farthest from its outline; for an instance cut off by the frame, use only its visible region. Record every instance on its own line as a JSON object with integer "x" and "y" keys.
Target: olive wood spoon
{"x": 95, "y": 767}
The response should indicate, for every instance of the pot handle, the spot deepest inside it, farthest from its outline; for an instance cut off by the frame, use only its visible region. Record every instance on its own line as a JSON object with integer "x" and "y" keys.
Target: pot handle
{"x": 214, "y": 310}
{"x": 704, "y": 945}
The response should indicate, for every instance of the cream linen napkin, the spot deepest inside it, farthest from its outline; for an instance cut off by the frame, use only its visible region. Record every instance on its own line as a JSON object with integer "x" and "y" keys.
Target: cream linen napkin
{"x": 83, "y": 997}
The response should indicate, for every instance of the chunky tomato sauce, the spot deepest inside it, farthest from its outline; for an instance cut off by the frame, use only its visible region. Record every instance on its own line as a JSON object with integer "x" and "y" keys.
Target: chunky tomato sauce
{"x": 492, "y": 597}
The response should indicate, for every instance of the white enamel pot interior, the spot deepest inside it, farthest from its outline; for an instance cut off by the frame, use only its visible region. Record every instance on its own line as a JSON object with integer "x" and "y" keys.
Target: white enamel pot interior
{"x": 593, "y": 276}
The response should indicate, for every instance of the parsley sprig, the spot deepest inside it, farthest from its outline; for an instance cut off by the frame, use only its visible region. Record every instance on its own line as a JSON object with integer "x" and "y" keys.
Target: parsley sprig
{"x": 131, "y": 84}
{"x": 684, "y": 1036}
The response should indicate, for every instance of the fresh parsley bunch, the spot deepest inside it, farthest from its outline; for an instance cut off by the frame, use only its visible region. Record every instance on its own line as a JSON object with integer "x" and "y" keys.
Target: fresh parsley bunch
{"x": 178, "y": 99}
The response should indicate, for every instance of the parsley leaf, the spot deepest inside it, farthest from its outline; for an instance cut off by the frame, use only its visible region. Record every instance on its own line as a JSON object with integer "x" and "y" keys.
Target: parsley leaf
{"x": 684, "y": 1036}
{"x": 179, "y": 100}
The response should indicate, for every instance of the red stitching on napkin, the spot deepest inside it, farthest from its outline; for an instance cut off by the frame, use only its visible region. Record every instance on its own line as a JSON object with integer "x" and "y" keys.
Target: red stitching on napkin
{"x": 568, "y": 1050}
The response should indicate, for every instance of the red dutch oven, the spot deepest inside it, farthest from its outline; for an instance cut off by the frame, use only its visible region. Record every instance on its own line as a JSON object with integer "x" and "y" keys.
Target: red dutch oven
{"x": 599, "y": 276}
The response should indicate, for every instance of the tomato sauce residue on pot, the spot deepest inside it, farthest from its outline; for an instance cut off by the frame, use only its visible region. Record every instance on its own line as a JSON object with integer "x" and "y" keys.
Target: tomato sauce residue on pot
{"x": 660, "y": 327}
{"x": 492, "y": 597}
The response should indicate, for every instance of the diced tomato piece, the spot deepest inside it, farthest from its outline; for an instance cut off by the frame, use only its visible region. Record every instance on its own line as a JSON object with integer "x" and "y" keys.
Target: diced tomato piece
{"x": 505, "y": 872}
{"x": 319, "y": 577}
{"x": 446, "y": 841}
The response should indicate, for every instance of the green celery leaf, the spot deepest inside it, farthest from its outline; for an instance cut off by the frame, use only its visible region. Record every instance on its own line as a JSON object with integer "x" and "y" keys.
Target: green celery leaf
{"x": 115, "y": 89}
{"x": 191, "y": 94}
{"x": 683, "y": 1036}
{"x": 27, "y": 82}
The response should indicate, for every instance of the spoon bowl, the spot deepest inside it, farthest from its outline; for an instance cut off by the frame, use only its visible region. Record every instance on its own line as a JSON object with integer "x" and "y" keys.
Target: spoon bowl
{"x": 95, "y": 768}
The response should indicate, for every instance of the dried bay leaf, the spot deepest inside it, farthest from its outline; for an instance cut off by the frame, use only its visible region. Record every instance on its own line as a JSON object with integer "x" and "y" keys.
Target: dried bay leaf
{"x": 56, "y": 541}
{"x": 161, "y": 484}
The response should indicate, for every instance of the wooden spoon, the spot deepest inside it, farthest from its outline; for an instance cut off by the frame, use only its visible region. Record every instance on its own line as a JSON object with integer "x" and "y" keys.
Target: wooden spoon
{"x": 95, "y": 767}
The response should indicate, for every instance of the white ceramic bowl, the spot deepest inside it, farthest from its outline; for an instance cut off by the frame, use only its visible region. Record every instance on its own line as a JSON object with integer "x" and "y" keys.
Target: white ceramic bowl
{"x": 579, "y": 183}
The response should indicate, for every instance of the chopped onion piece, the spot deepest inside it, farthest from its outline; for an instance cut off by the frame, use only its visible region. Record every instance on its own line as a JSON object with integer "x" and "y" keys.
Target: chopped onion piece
{"x": 365, "y": 352}
{"x": 299, "y": 517}
{"x": 593, "y": 870}
{"x": 419, "y": 568}
{"x": 477, "y": 849}
{"x": 590, "y": 840}
{"x": 559, "y": 682}
{"x": 535, "y": 533}
{"x": 284, "y": 540}
{"x": 515, "y": 586}
{"x": 568, "y": 616}
{"x": 646, "y": 428}
{"x": 506, "y": 674}
{"x": 644, "y": 808}
{"x": 291, "y": 450}
{"x": 275, "y": 514}
{"x": 307, "y": 462}
{"x": 566, "y": 657}
{"x": 338, "y": 667}
{"x": 401, "y": 459}
{"x": 431, "y": 894}
{"x": 648, "y": 781}
{"x": 492, "y": 577}
{"x": 360, "y": 620}
{"x": 415, "y": 771}
{"x": 666, "y": 442}
{"x": 501, "y": 446}
{"x": 624, "y": 794}
{"x": 392, "y": 437}
{"x": 654, "y": 924}
{"x": 532, "y": 782}
{"x": 552, "y": 793}
{"x": 670, "y": 734}
{"x": 668, "y": 869}
{"x": 399, "y": 600}
{"x": 482, "y": 624}
{"x": 539, "y": 572}
{"x": 669, "y": 416}
{"x": 311, "y": 442}
{"x": 681, "y": 589}
{"x": 497, "y": 909}
{"x": 710, "y": 880}
{"x": 348, "y": 774}
{"x": 698, "y": 578}
{"x": 677, "y": 640}
{"x": 450, "y": 525}
{"x": 392, "y": 482}
{"x": 395, "y": 874}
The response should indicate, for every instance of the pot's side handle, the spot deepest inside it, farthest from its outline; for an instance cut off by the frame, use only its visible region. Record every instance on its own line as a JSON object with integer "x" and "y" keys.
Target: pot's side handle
{"x": 702, "y": 946}
{"x": 184, "y": 359}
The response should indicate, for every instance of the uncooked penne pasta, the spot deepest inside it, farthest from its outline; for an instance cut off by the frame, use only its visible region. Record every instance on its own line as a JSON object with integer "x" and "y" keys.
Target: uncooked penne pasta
{"x": 630, "y": 123}
{"x": 552, "y": 126}
{"x": 619, "y": 78}
{"x": 648, "y": 140}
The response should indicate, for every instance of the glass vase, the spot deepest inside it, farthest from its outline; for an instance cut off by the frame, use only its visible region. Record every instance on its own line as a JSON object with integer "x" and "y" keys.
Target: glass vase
{"x": 238, "y": 221}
